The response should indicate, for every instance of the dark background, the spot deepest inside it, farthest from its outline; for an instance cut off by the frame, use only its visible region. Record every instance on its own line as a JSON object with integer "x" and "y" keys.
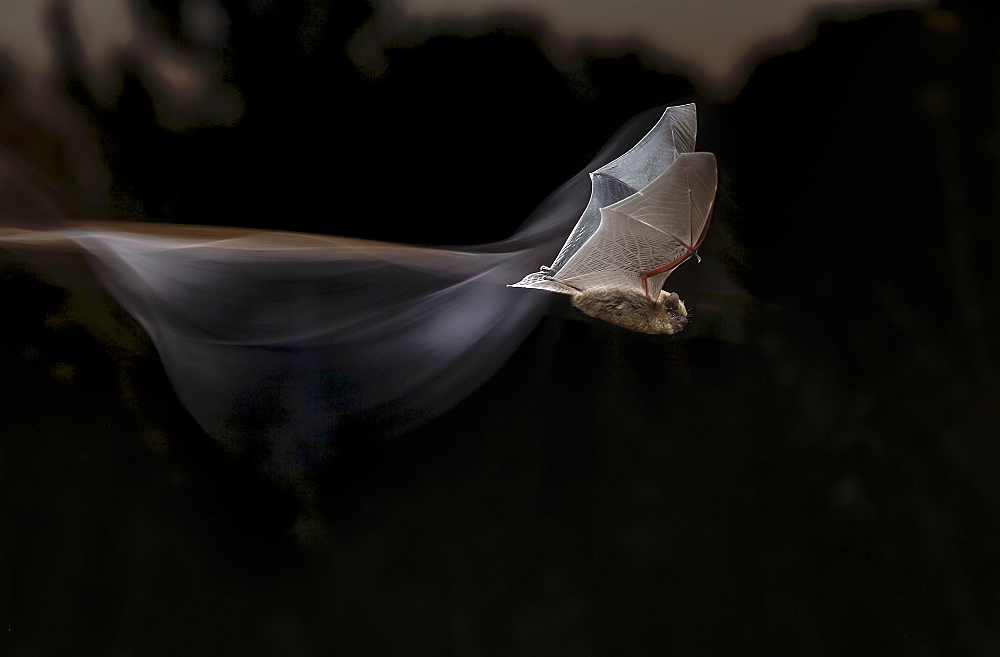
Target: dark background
{"x": 825, "y": 485}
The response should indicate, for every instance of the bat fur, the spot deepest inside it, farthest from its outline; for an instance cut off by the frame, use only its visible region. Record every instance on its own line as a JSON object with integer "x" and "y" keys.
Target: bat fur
{"x": 632, "y": 310}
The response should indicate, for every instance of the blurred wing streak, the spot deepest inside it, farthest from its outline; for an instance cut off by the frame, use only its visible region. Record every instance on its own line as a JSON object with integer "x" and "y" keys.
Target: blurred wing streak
{"x": 279, "y": 337}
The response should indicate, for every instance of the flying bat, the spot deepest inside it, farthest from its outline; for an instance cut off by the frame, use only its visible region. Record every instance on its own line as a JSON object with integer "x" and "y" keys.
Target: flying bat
{"x": 275, "y": 340}
{"x": 648, "y": 213}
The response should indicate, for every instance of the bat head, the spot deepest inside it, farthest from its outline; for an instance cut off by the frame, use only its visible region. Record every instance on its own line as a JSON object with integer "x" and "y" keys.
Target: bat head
{"x": 675, "y": 314}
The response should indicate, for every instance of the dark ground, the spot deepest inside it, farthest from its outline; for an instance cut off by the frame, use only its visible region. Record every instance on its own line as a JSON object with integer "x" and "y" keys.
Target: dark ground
{"x": 827, "y": 486}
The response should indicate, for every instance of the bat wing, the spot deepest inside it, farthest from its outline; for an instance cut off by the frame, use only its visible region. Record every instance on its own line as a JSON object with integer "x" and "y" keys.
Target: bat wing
{"x": 621, "y": 178}
{"x": 644, "y": 237}
{"x": 275, "y": 341}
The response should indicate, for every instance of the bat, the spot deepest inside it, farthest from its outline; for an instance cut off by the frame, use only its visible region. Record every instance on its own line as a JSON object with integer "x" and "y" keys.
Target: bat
{"x": 648, "y": 213}
{"x": 276, "y": 341}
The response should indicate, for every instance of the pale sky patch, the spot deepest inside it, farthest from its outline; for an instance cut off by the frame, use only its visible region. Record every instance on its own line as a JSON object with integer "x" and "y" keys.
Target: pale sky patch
{"x": 711, "y": 38}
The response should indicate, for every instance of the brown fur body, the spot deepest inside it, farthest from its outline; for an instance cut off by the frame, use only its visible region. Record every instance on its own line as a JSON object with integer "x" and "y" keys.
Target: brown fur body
{"x": 632, "y": 310}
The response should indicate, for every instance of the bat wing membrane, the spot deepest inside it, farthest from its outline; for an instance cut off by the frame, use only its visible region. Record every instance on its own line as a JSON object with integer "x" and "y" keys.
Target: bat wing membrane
{"x": 649, "y": 234}
{"x": 672, "y": 135}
